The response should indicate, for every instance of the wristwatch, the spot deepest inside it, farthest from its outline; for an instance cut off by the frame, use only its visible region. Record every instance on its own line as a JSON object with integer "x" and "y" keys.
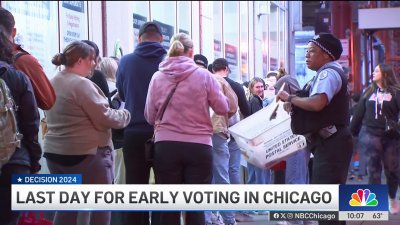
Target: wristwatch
{"x": 290, "y": 98}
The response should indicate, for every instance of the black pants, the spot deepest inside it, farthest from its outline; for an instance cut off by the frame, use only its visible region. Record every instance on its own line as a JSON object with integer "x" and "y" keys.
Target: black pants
{"x": 8, "y": 217}
{"x": 137, "y": 171}
{"x": 182, "y": 163}
{"x": 331, "y": 162}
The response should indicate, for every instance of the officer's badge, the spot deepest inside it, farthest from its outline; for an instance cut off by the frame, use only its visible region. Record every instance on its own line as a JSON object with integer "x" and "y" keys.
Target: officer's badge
{"x": 323, "y": 75}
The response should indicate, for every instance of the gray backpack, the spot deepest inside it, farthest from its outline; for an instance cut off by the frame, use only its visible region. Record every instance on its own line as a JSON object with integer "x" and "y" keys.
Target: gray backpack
{"x": 10, "y": 138}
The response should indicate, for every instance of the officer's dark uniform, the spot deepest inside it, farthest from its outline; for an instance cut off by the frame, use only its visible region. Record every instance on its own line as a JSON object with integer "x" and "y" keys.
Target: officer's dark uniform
{"x": 332, "y": 144}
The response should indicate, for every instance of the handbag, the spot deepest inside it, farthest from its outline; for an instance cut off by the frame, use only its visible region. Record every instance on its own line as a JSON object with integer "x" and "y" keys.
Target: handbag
{"x": 149, "y": 144}
{"x": 28, "y": 218}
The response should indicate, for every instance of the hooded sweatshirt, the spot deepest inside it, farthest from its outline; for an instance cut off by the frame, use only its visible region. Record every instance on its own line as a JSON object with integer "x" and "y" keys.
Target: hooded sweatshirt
{"x": 187, "y": 116}
{"x": 133, "y": 77}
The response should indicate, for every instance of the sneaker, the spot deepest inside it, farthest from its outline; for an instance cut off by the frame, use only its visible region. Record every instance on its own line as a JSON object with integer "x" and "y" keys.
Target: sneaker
{"x": 359, "y": 178}
{"x": 216, "y": 219}
{"x": 394, "y": 206}
{"x": 243, "y": 217}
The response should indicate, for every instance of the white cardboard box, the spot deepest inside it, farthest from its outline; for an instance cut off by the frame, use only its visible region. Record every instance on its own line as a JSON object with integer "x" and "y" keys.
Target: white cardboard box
{"x": 265, "y": 139}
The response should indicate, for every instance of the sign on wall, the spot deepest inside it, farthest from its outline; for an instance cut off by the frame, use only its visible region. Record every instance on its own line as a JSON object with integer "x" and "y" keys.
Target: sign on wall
{"x": 167, "y": 32}
{"x": 138, "y": 21}
{"x": 217, "y": 49}
{"x": 73, "y": 20}
{"x": 231, "y": 55}
{"x": 37, "y": 29}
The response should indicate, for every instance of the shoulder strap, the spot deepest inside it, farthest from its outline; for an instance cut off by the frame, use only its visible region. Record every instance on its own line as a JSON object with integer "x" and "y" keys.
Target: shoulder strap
{"x": 2, "y": 70}
{"x": 164, "y": 106}
{"x": 113, "y": 93}
{"x": 19, "y": 54}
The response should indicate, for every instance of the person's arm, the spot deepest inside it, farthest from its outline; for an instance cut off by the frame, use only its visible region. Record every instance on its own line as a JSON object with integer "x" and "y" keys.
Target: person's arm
{"x": 120, "y": 82}
{"x": 314, "y": 103}
{"x": 358, "y": 116}
{"x": 232, "y": 98}
{"x": 216, "y": 99}
{"x": 98, "y": 110}
{"x": 242, "y": 101}
{"x": 327, "y": 84}
{"x": 150, "y": 110}
{"x": 28, "y": 121}
{"x": 44, "y": 92}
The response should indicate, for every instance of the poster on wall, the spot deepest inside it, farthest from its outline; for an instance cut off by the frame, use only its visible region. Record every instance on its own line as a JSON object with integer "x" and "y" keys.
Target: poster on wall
{"x": 231, "y": 55}
{"x": 73, "y": 22}
{"x": 245, "y": 76}
{"x": 167, "y": 32}
{"x": 344, "y": 58}
{"x": 37, "y": 29}
{"x": 138, "y": 21}
{"x": 217, "y": 49}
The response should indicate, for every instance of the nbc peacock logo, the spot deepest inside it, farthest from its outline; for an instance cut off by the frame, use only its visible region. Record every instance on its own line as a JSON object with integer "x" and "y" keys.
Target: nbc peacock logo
{"x": 363, "y": 198}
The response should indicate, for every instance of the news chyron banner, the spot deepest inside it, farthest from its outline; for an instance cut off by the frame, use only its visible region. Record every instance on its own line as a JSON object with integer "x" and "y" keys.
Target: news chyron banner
{"x": 285, "y": 202}
{"x": 363, "y": 202}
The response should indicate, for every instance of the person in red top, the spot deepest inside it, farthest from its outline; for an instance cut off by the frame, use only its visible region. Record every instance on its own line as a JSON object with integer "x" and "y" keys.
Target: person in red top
{"x": 25, "y": 62}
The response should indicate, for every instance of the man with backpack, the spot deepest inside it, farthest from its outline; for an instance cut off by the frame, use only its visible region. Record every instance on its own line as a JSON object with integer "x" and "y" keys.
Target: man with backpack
{"x": 25, "y": 62}
{"x": 21, "y": 110}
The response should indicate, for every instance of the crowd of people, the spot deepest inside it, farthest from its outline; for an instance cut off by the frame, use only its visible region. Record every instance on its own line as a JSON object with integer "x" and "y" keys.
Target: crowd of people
{"x": 101, "y": 111}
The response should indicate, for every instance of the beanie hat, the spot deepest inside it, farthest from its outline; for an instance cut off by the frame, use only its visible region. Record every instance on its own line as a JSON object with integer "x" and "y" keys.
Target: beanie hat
{"x": 329, "y": 44}
{"x": 201, "y": 60}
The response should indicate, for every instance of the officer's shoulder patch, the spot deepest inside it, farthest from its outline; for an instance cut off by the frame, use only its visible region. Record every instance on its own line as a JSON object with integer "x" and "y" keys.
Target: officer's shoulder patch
{"x": 323, "y": 75}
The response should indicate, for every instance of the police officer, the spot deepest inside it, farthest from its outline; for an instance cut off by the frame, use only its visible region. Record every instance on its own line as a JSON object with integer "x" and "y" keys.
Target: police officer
{"x": 325, "y": 112}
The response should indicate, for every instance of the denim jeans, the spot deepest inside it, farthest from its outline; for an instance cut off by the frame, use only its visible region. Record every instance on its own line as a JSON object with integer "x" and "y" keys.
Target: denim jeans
{"x": 220, "y": 172}
{"x": 234, "y": 162}
{"x": 380, "y": 151}
{"x": 362, "y": 159}
{"x": 297, "y": 167}
{"x": 257, "y": 175}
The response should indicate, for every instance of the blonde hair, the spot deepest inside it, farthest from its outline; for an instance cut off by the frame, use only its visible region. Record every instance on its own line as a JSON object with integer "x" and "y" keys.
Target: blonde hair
{"x": 180, "y": 44}
{"x": 253, "y": 82}
{"x": 109, "y": 67}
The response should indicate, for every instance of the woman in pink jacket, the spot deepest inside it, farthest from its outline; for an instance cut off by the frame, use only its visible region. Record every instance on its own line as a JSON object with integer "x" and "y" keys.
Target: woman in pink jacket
{"x": 183, "y": 136}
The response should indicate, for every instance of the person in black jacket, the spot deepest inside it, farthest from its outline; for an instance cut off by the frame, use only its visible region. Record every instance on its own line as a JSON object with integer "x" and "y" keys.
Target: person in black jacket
{"x": 134, "y": 73}
{"x": 98, "y": 76}
{"x": 324, "y": 113}
{"x": 25, "y": 159}
{"x": 378, "y": 106}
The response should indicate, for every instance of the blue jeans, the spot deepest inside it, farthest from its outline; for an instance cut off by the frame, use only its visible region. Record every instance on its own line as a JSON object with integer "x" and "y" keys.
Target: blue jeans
{"x": 234, "y": 162}
{"x": 362, "y": 159}
{"x": 220, "y": 172}
{"x": 297, "y": 167}
{"x": 257, "y": 175}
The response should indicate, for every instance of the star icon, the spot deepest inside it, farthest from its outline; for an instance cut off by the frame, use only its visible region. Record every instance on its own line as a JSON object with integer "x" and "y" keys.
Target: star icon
{"x": 19, "y": 180}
